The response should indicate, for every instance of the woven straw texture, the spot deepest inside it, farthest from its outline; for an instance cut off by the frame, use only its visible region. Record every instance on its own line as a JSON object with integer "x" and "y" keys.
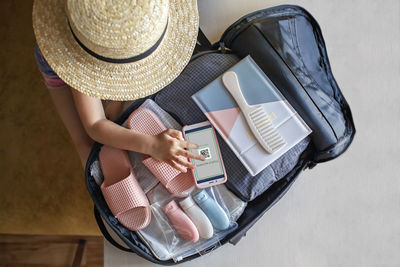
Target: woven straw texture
{"x": 104, "y": 80}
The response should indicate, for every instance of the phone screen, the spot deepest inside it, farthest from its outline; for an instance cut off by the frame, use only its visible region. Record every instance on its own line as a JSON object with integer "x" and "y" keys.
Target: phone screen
{"x": 211, "y": 168}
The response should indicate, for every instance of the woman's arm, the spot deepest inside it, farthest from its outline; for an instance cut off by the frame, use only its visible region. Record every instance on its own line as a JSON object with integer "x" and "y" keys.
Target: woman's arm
{"x": 104, "y": 131}
{"x": 167, "y": 146}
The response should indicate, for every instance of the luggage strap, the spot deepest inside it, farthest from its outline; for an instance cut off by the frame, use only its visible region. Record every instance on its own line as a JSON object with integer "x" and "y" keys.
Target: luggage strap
{"x": 105, "y": 232}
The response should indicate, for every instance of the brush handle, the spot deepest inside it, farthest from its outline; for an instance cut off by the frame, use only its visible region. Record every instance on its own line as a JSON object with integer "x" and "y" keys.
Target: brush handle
{"x": 231, "y": 82}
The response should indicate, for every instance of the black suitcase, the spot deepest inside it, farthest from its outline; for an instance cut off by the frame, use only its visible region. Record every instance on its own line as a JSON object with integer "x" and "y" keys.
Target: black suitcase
{"x": 287, "y": 43}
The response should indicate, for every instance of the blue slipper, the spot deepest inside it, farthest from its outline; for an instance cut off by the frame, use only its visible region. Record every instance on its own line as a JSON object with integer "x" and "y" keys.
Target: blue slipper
{"x": 212, "y": 209}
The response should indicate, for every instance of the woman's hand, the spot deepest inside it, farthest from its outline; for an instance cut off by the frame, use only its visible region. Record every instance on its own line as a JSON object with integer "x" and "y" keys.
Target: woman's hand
{"x": 170, "y": 147}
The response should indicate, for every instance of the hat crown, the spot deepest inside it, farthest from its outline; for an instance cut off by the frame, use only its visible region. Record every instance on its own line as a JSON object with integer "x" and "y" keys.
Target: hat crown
{"x": 118, "y": 28}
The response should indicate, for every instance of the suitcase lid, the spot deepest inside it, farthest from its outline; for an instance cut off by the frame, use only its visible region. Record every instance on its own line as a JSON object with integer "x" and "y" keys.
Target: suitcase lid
{"x": 287, "y": 43}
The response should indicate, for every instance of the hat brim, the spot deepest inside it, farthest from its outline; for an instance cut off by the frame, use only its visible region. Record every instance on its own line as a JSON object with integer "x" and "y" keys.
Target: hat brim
{"x": 104, "y": 80}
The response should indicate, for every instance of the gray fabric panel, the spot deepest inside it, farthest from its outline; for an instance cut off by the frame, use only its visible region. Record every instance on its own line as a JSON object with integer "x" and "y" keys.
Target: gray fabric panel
{"x": 176, "y": 99}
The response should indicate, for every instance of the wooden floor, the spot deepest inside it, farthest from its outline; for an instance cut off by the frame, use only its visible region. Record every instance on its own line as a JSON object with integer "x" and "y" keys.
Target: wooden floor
{"x": 42, "y": 250}
{"x": 42, "y": 182}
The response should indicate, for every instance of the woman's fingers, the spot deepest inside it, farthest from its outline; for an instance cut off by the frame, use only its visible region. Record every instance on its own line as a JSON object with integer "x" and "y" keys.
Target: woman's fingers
{"x": 178, "y": 135}
{"x": 184, "y": 162}
{"x": 186, "y": 144}
{"x": 177, "y": 166}
{"x": 189, "y": 154}
{"x": 177, "y": 162}
{"x": 175, "y": 133}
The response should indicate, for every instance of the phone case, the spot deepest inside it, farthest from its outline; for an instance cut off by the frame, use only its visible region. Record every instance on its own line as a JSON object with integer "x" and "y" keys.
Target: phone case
{"x": 219, "y": 152}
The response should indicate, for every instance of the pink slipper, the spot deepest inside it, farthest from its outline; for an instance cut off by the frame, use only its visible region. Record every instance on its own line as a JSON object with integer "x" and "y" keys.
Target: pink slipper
{"x": 177, "y": 183}
{"x": 122, "y": 192}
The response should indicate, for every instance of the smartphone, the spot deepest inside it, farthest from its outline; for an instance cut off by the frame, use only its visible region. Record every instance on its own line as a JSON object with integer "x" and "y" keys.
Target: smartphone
{"x": 211, "y": 171}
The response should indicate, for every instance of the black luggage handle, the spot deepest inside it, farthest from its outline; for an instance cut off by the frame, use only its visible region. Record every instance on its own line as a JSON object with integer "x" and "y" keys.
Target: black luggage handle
{"x": 105, "y": 232}
{"x": 203, "y": 44}
{"x": 203, "y": 40}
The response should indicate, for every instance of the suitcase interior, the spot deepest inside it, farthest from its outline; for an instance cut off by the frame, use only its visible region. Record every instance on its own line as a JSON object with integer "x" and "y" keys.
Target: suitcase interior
{"x": 298, "y": 65}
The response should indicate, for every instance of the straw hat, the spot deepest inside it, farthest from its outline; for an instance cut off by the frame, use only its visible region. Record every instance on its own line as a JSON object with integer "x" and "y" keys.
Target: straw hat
{"x": 118, "y": 50}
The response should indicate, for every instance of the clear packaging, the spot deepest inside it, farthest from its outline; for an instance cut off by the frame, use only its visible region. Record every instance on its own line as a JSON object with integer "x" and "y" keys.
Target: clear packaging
{"x": 162, "y": 237}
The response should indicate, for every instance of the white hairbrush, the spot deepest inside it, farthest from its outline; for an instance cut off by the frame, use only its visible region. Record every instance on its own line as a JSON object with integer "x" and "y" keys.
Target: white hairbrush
{"x": 259, "y": 122}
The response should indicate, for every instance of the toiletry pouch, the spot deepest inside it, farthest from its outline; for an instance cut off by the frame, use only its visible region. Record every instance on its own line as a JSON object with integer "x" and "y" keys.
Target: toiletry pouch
{"x": 287, "y": 44}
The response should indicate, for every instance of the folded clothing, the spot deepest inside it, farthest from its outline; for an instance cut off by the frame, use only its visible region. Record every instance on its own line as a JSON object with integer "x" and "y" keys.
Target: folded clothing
{"x": 176, "y": 99}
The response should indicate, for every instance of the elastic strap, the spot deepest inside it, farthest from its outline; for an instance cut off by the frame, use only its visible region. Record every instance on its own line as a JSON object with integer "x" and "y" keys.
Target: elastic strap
{"x": 105, "y": 233}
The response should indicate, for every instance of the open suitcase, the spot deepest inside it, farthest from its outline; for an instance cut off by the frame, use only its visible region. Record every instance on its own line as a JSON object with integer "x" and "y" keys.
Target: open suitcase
{"x": 287, "y": 43}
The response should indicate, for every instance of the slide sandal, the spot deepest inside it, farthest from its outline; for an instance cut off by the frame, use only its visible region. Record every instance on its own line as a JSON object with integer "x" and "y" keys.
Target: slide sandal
{"x": 122, "y": 192}
{"x": 177, "y": 183}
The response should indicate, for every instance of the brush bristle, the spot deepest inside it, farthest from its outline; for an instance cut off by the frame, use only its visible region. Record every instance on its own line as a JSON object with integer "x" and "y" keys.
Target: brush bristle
{"x": 268, "y": 132}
